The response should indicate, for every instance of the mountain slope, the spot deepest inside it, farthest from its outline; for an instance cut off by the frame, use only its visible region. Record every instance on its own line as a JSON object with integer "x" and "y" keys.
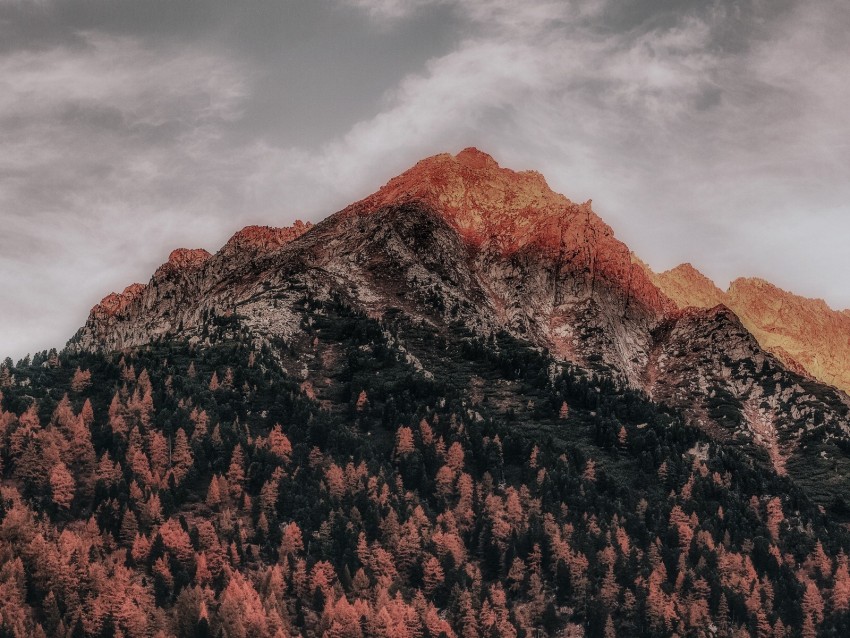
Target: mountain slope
{"x": 326, "y": 485}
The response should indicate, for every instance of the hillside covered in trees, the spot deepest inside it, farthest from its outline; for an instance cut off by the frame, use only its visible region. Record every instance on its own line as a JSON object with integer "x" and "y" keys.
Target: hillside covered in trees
{"x": 341, "y": 484}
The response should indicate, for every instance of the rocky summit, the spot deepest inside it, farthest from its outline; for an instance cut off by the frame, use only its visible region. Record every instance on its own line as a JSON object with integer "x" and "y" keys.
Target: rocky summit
{"x": 454, "y": 238}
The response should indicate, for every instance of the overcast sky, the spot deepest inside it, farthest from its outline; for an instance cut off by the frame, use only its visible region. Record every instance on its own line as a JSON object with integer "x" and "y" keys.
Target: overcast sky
{"x": 715, "y": 133}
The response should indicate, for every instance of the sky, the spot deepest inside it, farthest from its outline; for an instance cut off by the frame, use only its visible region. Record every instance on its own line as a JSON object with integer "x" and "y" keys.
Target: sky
{"x": 710, "y": 132}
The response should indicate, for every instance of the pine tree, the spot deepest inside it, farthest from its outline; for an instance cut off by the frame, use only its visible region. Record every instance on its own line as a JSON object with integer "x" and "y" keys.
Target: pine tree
{"x": 62, "y": 486}
{"x": 129, "y": 528}
{"x": 201, "y": 421}
{"x": 841, "y": 589}
{"x": 117, "y": 424}
{"x": 291, "y": 542}
{"x": 228, "y": 379}
{"x": 81, "y": 380}
{"x": 236, "y": 473}
{"x": 182, "y": 459}
{"x": 269, "y": 493}
{"x": 812, "y": 605}
{"x": 335, "y": 480}
{"x": 87, "y": 413}
{"x": 455, "y": 457}
{"x": 213, "y": 494}
{"x": 279, "y": 444}
{"x": 468, "y": 617}
{"x": 432, "y": 575}
{"x": 404, "y": 442}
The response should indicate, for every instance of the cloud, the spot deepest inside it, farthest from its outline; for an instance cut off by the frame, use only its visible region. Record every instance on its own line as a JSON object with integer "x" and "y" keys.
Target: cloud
{"x": 536, "y": 84}
{"x": 392, "y": 10}
{"x": 104, "y": 151}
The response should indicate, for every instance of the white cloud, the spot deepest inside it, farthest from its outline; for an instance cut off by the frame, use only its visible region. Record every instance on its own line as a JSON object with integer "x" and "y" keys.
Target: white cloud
{"x": 105, "y": 152}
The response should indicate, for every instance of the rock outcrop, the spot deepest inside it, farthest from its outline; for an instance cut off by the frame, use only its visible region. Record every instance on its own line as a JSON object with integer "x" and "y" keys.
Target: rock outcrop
{"x": 687, "y": 287}
{"x": 550, "y": 269}
{"x": 254, "y": 240}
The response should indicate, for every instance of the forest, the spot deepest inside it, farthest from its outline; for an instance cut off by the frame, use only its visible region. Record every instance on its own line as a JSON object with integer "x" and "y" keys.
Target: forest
{"x": 376, "y": 478}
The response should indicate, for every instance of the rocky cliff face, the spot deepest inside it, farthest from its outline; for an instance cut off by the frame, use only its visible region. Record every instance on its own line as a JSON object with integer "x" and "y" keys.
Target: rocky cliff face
{"x": 551, "y": 270}
{"x": 805, "y": 334}
{"x": 185, "y": 292}
{"x": 687, "y": 287}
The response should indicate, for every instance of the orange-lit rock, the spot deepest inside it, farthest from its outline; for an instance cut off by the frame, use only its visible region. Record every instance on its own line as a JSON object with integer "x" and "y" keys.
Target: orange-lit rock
{"x": 549, "y": 267}
{"x": 801, "y": 331}
{"x": 114, "y": 302}
{"x": 459, "y": 238}
{"x": 183, "y": 259}
{"x": 686, "y": 287}
{"x": 264, "y": 238}
{"x": 483, "y": 201}
{"x": 457, "y": 246}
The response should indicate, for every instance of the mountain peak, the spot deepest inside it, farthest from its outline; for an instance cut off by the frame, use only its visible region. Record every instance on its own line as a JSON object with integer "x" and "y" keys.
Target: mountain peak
{"x": 483, "y": 201}
{"x": 756, "y": 287}
{"x": 687, "y": 269}
{"x": 752, "y": 282}
{"x": 474, "y": 158}
{"x": 687, "y": 287}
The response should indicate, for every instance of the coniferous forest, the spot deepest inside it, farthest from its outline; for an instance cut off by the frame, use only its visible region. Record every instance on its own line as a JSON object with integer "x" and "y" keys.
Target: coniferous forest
{"x": 326, "y": 486}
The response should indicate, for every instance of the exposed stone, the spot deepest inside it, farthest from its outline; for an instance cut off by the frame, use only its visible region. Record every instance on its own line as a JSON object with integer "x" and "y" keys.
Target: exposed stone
{"x": 114, "y": 302}
{"x": 686, "y": 287}
{"x": 183, "y": 259}
{"x": 264, "y": 239}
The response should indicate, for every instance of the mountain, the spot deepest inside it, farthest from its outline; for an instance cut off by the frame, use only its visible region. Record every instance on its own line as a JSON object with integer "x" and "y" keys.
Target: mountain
{"x": 687, "y": 287}
{"x": 458, "y": 407}
{"x": 458, "y": 239}
{"x": 808, "y": 336}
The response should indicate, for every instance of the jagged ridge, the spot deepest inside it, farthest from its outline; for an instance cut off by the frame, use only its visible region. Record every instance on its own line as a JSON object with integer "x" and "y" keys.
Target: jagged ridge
{"x": 806, "y": 334}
